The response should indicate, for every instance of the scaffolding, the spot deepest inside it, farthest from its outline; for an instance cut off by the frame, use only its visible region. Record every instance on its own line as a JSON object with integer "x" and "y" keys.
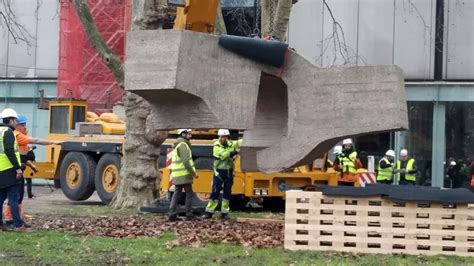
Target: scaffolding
{"x": 82, "y": 74}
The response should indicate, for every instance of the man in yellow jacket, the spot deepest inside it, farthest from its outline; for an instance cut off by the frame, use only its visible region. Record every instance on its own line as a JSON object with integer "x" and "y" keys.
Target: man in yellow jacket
{"x": 183, "y": 173}
{"x": 385, "y": 169}
{"x": 10, "y": 168}
{"x": 224, "y": 152}
{"x": 406, "y": 169}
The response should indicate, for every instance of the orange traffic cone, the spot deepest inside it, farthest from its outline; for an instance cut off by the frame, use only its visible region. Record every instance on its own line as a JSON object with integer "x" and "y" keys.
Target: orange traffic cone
{"x": 8, "y": 213}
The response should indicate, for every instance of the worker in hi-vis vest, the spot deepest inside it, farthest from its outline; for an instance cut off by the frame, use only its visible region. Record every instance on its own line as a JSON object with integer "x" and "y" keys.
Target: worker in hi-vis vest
{"x": 10, "y": 169}
{"x": 386, "y": 167}
{"x": 224, "y": 153}
{"x": 406, "y": 169}
{"x": 347, "y": 163}
{"x": 183, "y": 173}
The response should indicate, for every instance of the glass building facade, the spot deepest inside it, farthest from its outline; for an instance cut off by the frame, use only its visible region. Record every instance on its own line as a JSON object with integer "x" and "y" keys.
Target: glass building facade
{"x": 439, "y": 79}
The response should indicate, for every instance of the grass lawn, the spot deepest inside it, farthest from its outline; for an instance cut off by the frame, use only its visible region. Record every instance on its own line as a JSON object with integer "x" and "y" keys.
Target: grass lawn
{"x": 45, "y": 247}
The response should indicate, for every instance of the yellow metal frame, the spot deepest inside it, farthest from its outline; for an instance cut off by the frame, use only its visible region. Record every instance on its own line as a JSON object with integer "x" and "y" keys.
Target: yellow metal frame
{"x": 46, "y": 170}
{"x": 50, "y": 168}
{"x": 246, "y": 183}
{"x": 197, "y": 15}
{"x": 70, "y": 104}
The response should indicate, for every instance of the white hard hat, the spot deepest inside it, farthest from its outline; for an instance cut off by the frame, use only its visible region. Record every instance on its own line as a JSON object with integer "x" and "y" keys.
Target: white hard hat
{"x": 8, "y": 112}
{"x": 403, "y": 152}
{"x": 452, "y": 163}
{"x": 188, "y": 130}
{"x": 347, "y": 141}
{"x": 223, "y": 132}
{"x": 390, "y": 153}
{"x": 337, "y": 149}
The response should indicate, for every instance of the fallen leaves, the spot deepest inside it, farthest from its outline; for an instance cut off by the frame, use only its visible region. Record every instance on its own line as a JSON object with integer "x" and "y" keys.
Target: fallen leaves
{"x": 190, "y": 233}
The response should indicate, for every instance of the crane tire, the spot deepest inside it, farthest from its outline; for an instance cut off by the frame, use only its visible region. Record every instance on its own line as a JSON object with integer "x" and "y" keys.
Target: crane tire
{"x": 77, "y": 175}
{"x": 107, "y": 176}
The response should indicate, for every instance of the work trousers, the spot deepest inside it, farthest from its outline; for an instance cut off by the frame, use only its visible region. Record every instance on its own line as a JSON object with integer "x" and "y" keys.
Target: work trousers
{"x": 178, "y": 192}
{"x": 29, "y": 187}
{"x": 224, "y": 182}
{"x": 21, "y": 190}
{"x": 13, "y": 196}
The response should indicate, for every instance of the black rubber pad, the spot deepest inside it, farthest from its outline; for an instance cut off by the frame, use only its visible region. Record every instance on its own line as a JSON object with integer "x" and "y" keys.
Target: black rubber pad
{"x": 405, "y": 193}
{"x": 268, "y": 52}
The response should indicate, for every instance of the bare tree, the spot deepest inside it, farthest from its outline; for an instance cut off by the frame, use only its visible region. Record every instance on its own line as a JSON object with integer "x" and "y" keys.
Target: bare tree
{"x": 139, "y": 182}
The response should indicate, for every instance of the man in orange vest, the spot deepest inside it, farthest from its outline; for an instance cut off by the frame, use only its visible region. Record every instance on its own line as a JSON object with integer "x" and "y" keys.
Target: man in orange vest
{"x": 347, "y": 163}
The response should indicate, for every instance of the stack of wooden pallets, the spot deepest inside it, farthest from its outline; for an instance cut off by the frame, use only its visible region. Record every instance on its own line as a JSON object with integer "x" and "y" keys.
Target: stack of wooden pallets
{"x": 314, "y": 221}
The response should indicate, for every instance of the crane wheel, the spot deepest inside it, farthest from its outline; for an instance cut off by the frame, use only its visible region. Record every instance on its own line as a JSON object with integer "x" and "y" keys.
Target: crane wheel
{"x": 107, "y": 176}
{"x": 77, "y": 175}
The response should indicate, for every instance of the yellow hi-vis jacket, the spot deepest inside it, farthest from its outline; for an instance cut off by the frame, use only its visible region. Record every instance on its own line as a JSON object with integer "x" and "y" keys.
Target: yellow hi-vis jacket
{"x": 385, "y": 173}
{"x": 409, "y": 167}
{"x": 348, "y": 163}
{"x": 179, "y": 172}
{"x": 5, "y": 163}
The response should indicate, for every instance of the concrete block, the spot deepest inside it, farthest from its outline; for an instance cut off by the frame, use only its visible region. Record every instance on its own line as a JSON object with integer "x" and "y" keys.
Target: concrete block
{"x": 289, "y": 118}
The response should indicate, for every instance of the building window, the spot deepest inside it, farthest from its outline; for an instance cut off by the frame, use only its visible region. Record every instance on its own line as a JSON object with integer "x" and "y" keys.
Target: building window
{"x": 419, "y": 139}
{"x": 59, "y": 123}
{"x": 459, "y": 144}
{"x": 78, "y": 115}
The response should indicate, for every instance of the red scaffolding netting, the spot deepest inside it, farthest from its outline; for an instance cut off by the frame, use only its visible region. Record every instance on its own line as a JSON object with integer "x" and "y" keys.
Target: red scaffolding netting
{"x": 82, "y": 74}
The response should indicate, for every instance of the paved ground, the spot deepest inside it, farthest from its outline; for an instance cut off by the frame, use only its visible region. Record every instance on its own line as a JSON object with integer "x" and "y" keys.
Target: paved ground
{"x": 48, "y": 199}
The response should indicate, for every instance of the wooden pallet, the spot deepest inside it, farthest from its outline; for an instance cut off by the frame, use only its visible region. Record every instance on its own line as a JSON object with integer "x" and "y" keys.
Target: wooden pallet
{"x": 375, "y": 225}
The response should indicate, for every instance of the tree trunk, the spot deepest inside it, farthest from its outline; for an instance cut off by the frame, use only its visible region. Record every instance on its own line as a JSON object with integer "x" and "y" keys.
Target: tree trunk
{"x": 275, "y": 15}
{"x": 267, "y": 13}
{"x": 219, "y": 24}
{"x": 282, "y": 16}
{"x": 139, "y": 182}
{"x": 139, "y": 176}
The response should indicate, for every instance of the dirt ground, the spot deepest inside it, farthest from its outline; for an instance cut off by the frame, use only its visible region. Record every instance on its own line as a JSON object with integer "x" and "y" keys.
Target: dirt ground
{"x": 48, "y": 199}
{"x": 51, "y": 210}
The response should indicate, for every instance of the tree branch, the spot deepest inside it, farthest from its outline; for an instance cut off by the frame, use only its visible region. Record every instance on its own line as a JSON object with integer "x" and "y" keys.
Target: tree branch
{"x": 338, "y": 41}
{"x": 108, "y": 56}
{"x": 10, "y": 23}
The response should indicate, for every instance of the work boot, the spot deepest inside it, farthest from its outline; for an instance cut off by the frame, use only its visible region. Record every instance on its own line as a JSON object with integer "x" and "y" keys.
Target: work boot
{"x": 207, "y": 215}
{"x": 173, "y": 218}
{"x": 224, "y": 216}
{"x": 22, "y": 228}
{"x": 4, "y": 227}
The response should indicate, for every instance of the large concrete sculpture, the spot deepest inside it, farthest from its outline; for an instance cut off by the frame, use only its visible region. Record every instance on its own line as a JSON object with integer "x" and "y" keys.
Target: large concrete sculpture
{"x": 289, "y": 118}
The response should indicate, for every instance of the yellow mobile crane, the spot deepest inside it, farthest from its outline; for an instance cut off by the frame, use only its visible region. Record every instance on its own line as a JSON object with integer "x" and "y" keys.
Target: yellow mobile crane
{"x": 89, "y": 159}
